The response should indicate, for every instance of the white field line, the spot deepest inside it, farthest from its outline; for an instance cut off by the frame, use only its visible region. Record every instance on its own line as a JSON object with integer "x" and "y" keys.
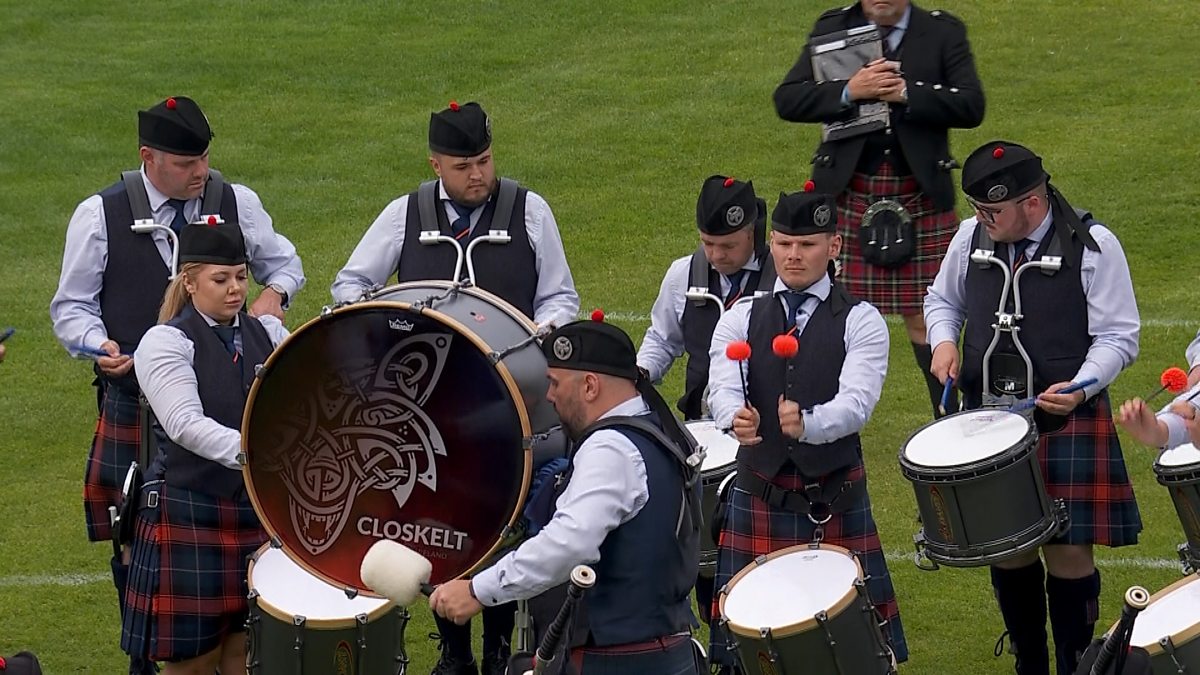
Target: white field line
{"x": 897, "y": 556}
{"x": 635, "y": 317}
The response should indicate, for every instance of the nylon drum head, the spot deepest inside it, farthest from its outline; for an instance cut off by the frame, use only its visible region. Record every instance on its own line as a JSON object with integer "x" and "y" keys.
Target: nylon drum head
{"x": 966, "y": 438}
{"x": 720, "y": 449}
{"x": 790, "y": 587}
{"x": 1180, "y": 456}
{"x": 1173, "y": 612}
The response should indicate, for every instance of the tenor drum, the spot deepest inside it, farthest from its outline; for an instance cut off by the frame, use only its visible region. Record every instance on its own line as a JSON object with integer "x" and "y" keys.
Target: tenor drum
{"x": 1179, "y": 470}
{"x": 409, "y": 416}
{"x": 720, "y": 462}
{"x": 300, "y": 625}
{"x": 979, "y": 488}
{"x": 804, "y": 610}
{"x": 1167, "y": 629}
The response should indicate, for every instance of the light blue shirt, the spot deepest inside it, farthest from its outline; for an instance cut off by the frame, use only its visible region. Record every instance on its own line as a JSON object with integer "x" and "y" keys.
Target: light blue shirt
{"x": 859, "y": 384}
{"x": 1177, "y": 433}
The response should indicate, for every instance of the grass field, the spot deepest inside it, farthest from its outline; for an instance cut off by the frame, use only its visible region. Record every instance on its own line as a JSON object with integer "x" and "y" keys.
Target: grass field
{"x": 615, "y": 112}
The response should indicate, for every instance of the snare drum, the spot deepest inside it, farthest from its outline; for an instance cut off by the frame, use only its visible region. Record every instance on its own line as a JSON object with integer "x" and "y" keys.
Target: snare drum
{"x": 409, "y": 416}
{"x": 1179, "y": 470}
{"x": 1168, "y": 627}
{"x": 804, "y": 609}
{"x": 720, "y": 464}
{"x": 979, "y": 488}
{"x": 300, "y": 625}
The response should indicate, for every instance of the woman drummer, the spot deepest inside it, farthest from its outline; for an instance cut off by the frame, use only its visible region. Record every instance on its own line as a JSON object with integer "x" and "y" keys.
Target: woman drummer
{"x": 186, "y": 601}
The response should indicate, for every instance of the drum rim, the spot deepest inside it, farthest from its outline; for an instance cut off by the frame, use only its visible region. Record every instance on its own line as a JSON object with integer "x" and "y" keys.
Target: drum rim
{"x": 720, "y": 469}
{"x": 446, "y": 284}
{"x": 1176, "y": 473}
{"x": 514, "y": 391}
{"x": 1026, "y": 444}
{"x": 804, "y": 625}
{"x": 1178, "y": 638}
{"x": 317, "y": 624}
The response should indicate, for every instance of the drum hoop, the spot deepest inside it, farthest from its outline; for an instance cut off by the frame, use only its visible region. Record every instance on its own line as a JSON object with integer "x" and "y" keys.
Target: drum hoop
{"x": 1015, "y": 453}
{"x": 1179, "y": 473}
{"x": 473, "y": 291}
{"x": 806, "y": 624}
{"x": 514, "y": 391}
{"x": 1180, "y": 638}
{"x": 315, "y": 624}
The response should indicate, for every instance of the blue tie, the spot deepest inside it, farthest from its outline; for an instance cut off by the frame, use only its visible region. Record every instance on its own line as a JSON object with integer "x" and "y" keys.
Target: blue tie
{"x": 735, "y": 287}
{"x": 227, "y": 335}
{"x": 180, "y": 220}
{"x": 1018, "y": 252}
{"x": 795, "y": 300}
{"x": 463, "y": 223}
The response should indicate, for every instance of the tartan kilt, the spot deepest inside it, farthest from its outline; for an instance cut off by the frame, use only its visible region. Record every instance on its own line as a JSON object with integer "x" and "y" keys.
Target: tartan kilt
{"x": 753, "y": 528}
{"x": 1082, "y": 464}
{"x": 114, "y": 447}
{"x": 187, "y": 577}
{"x": 898, "y": 290}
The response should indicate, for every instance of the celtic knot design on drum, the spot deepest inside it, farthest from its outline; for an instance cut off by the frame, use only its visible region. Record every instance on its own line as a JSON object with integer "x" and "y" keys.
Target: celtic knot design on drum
{"x": 364, "y": 429}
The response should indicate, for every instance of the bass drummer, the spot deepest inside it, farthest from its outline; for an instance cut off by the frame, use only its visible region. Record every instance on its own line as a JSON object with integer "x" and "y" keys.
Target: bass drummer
{"x": 186, "y": 600}
{"x": 800, "y": 475}
{"x": 1079, "y": 320}
{"x": 731, "y": 263}
{"x": 530, "y": 272}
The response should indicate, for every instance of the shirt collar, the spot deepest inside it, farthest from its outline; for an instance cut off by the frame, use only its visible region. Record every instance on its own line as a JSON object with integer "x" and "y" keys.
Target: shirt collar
{"x": 819, "y": 288}
{"x": 445, "y": 196}
{"x": 629, "y": 408}
{"x": 213, "y": 322}
{"x": 902, "y": 25}
{"x": 157, "y": 199}
{"x": 1039, "y": 233}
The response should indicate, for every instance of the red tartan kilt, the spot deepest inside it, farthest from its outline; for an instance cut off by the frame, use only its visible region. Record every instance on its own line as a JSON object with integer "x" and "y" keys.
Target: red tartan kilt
{"x": 898, "y": 290}
{"x": 114, "y": 446}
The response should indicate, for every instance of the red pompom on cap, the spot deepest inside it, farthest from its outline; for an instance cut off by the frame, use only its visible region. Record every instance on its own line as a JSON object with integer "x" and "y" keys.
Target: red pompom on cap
{"x": 998, "y": 152}
{"x": 212, "y": 221}
{"x": 1174, "y": 379}
{"x": 598, "y": 315}
{"x": 454, "y": 106}
{"x": 738, "y": 350}
{"x": 171, "y": 104}
{"x": 729, "y": 182}
{"x": 785, "y": 346}
{"x": 809, "y": 186}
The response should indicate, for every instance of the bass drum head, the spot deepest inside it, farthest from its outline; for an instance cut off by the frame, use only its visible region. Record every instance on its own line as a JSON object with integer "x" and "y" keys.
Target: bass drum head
{"x": 966, "y": 438}
{"x": 814, "y": 579}
{"x": 380, "y": 420}
{"x": 1171, "y": 613}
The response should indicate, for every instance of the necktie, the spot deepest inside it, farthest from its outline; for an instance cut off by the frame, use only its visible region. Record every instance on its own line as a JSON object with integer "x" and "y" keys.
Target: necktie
{"x": 735, "y": 287}
{"x": 227, "y": 334}
{"x": 885, "y": 33}
{"x": 180, "y": 220}
{"x": 795, "y": 300}
{"x": 1018, "y": 252}
{"x": 462, "y": 224}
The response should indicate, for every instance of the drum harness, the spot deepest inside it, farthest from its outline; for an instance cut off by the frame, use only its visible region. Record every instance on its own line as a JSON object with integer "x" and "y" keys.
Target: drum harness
{"x": 819, "y": 500}
{"x": 431, "y": 233}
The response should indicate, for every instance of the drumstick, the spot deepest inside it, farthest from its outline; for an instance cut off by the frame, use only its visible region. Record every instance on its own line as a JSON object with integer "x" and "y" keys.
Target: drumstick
{"x": 1173, "y": 379}
{"x": 8, "y": 332}
{"x": 1027, "y": 403}
{"x": 84, "y": 350}
{"x": 739, "y": 350}
{"x": 396, "y": 572}
{"x": 946, "y": 395}
{"x": 785, "y": 345}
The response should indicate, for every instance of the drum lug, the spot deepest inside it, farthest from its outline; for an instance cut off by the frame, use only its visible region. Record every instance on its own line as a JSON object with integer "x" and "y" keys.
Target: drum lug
{"x": 402, "y": 617}
{"x": 822, "y": 619}
{"x": 1168, "y": 646}
{"x": 1188, "y": 559}
{"x": 252, "y": 639}
{"x": 1061, "y": 515}
{"x": 361, "y": 621}
{"x": 772, "y": 653}
{"x": 921, "y": 559}
{"x": 298, "y": 647}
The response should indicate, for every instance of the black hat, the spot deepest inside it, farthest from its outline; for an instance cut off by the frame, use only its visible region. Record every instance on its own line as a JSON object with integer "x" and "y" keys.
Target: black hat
{"x": 726, "y": 205}
{"x": 21, "y": 663}
{"x": 805, "y": 213}
{"x": 594, "y": 346}
{"x": 460, "y": 130}
{"x": 217, "y": 243}
{"x": 177, "y": 125}
{"x": 999, "y": 170}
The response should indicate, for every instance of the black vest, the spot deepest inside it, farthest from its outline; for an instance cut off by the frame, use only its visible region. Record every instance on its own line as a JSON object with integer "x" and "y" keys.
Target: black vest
{"x": 508, "y": 270}
{"x": 135, "y": 277}
{"x": 809, "y": 378}
{"x": 698, "y": 322}
{"x": 1055, "y": 329}
{"x": 223, "y": 386}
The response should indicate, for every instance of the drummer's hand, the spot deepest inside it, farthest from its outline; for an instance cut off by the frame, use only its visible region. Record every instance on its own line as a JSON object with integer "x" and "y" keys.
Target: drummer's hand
{"x": 453, "y": 600}
{"x": 1138, "y": 419}
{"x": 1060, "y": 404}
{"x": 268, "y": 303}
{"x": 745, "y": 426}
{"x": 115, "y": 364}
{"x": 791, "y": 422}
{"x": 945, "y": 361}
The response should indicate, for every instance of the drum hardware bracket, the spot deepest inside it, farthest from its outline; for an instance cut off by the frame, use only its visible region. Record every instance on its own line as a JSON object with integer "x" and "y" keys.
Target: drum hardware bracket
{"x": 1061, "y": 516}
{"x": 1168, "y": 646}
{"x": 772, "y": 653}
{"x": 921, "y": 559}
{"x": 1187, "y": 559}
{"x": 360, "y": 622}
{"x": 351, "y": 593}
{"x": 498, "y": 356}
{"x": 822, "y": 618}
{"x": 298, "y": 647}
{"x": 241, "y": 458}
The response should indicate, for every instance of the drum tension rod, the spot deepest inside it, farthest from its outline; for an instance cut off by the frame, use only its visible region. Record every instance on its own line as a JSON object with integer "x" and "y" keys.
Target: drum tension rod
{"x": 822, "y": 618}
{"x": 772, "y": 653}
{"x": 498, "y": 356}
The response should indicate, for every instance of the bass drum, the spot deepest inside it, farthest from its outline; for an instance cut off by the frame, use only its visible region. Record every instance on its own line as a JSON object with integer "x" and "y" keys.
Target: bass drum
{"x": 410, "y": 416}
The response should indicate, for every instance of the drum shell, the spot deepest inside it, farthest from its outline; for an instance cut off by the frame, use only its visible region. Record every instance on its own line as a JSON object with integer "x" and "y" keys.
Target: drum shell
{"x": 712, "y": 481}
{"x": 982, "y": 512}
{"x": 1183, "y": 484}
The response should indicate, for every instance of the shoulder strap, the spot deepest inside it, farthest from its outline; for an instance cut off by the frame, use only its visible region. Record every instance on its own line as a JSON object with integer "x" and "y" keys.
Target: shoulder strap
{"x": 698, "y": 274}
{"x": 426, "y": 205}
{"x": 139, "y": 201}
{"x": 212, "y": 194}
{"x": 640, "y": 425}
{"x": 506, "y": 201}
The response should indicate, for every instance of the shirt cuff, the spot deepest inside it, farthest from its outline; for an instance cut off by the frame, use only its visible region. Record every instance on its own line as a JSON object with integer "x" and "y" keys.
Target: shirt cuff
{"x": 810, "y": 423}
{"x": 1176, "y": 429}
{"x": 846, "y": 96}
{"x": 486, "y": 587}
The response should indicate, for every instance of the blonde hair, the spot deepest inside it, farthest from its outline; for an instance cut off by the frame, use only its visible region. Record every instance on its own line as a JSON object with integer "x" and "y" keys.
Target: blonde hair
{"x": 177, "y": 296}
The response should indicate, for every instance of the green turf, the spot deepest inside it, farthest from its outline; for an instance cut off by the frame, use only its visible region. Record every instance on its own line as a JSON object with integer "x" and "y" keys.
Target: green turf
{"x": 615, "y": 112}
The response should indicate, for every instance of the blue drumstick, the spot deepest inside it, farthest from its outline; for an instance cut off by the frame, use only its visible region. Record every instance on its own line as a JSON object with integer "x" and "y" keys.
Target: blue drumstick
{"x": 946, "y": 395}
{"x": 84, "y": 350}
{"x": 1028, "y": 403}
{"x": 8, "y": 332}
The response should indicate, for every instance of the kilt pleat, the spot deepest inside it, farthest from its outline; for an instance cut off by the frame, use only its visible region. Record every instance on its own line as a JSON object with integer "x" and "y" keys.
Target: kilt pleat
{"x": 114, "y": 447}
{"x": 190, "y": 562}
{"x": 754, "y": 528}
{"x": 898, "y": 290}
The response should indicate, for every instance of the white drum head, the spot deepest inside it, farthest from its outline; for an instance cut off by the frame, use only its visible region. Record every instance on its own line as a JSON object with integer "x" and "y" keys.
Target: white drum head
{"x": 1181, "y": 455}
{"x": 790, "y": 588}
{"x": 290, "y": 589}
{"x": 720, "y": 448}
{"x": 1174, "y": 612}
{"x": 966, "y": 438}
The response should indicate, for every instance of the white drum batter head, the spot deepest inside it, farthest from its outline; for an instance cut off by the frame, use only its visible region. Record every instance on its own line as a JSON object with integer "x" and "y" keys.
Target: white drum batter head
{"x": 1180, "y": 455}
{"x": 789, "y": 588}
{"x": 286, "y": 590}
{"x": 1173, "y": 612}
{"x": 720, "y": 448}
{"x": 966, "y": 438}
